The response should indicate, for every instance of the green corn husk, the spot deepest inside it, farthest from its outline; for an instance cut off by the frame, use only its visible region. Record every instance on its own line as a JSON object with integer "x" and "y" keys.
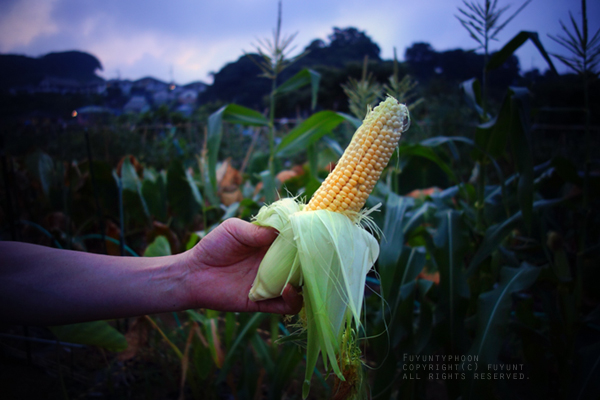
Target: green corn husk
{"x": 330, "y": 255}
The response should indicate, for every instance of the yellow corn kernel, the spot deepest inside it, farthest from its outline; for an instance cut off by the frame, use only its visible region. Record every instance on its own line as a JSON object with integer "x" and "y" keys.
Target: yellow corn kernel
{"x": 359, "y": 168}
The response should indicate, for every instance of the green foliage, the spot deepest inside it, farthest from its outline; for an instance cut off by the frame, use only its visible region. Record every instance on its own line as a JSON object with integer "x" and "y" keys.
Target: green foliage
{"x": 182, "y": 193}
{"x": 311, "y": 130}
{"x": 299, "y": 80}
{"x": 585, "y": 51}
{"x": 500, "y": 57}
{"x": 234, "y": 114}
{"x": 483, "y": 22}
{"x": 133, "y": 198}
{"x": 363, "y": 94}
{"x": 402, "y": 89}
{"x": 160, "y": 247}
{"x": 97, "y": 333}
{"x": 494, "y": 310}
{"x": 274, "y": 53}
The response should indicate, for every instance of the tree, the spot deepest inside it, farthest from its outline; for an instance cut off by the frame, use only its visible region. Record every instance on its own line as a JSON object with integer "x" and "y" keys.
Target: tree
{"x": 18, "y": 70}
{"x": 239, "y": 82}
{"x": 71, "y": 64}
{"x": 353, "y": 44}
{"x": 422, "y": 60}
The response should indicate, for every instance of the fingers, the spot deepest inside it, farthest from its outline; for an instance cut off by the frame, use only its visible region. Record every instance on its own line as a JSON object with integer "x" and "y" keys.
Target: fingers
{"x": 289, "y": 303}
{"x": 249, "y": 234}
{"x": 293, "y": 299}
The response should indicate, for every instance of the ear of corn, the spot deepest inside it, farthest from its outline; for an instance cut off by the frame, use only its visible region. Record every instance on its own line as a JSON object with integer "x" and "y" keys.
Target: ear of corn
{"x": 354, "y": 177}
{"x": 323, "y": 247}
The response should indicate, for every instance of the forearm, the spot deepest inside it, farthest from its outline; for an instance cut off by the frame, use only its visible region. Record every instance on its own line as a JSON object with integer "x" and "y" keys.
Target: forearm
{"x": 45, "y": 286}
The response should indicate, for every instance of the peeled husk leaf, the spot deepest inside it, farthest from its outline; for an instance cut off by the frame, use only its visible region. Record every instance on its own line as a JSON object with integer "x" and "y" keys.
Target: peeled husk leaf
{"x": 330, "y": 255}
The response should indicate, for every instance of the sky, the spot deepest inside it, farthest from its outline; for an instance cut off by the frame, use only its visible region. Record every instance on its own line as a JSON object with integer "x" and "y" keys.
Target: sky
{"x": 186, "y": 40}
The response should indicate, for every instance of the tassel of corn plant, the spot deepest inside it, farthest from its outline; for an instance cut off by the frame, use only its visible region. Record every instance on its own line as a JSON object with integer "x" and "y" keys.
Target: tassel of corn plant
{"x": 323, "y": 247}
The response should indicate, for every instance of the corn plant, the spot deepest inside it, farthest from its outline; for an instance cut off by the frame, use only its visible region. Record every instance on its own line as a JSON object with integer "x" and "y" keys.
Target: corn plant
{"x": 584, "y": 59}
{"x": 483, "y": 27}
{"x": 274, "y": 59}
{"x": 362, "y": 94}
{"x": 483, "y": 22}
{"x": 485, "y": 245}
{"x": 402, "y": 89}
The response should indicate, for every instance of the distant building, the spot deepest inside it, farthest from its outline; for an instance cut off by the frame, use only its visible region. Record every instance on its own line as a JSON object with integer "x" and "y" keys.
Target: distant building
{"x": 185, "y": 109}
{"x": 187, "y": 96}
{"x": 92, "y": 114}
{"x": 162, "y": 97}
{"x": 150, "y": 84}
{"x": 51, "y": 84}
{"x": 137, "y": 104}
{"x": 197, "y": 86}
{"x": 124, "y": 85}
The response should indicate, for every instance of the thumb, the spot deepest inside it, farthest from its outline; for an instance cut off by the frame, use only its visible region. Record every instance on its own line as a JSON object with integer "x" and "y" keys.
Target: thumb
{"x": 249, "y": 234}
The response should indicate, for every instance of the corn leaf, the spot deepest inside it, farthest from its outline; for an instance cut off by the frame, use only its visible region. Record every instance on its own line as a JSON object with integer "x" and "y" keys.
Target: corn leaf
{"x": 495, "y": 234}
{"x": 418, "y": 150}
{"x": 262, "y": 354}
{"x": 302, "y": 78}
{"x": 105, "y": 184}
{"x": 247, "y": 329}
{"x": 586, "y": 383}
{"x": 492, "y": 136}
{"x": 42, "y": 167}
{"x": 183, "y": 195}
{"x": 158, "y": 248}
{"x": 232, "y": 113}
{"x": 492, "y": 316}
{"x": 449, "y": 249}
{"x": 133, "y": 198}
{"x": 500, "y": 57}
{"x": 472, "y": 92}
{"x": 311, "y": 130}
{"x": 392, "y": 242}
{"x": 207, "y": 188}
{"x": 425, "y": 321}
{"x": 287, "y": 361}
{"x": 494, "y": 310}
{"x": 269, "y": 186}
{"x": 521, "y": 148}
{"x": 411, "y": 264}
{"x": 154, "y": 192}
{"x": 97, "y": 333}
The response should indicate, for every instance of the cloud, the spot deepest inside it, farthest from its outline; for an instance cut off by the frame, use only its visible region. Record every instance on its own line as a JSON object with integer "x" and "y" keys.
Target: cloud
{"x": 154, "y": 54}
{"x": 193, "y": 37}
{"x": 24, "y": 21}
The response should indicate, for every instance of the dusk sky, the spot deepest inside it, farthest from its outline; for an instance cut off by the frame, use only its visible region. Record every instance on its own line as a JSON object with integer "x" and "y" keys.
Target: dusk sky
{"x": 135, "y": 38}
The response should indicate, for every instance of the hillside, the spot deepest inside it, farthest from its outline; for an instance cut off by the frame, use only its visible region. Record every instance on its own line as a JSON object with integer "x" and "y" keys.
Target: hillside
{"x": 18, "y": 70}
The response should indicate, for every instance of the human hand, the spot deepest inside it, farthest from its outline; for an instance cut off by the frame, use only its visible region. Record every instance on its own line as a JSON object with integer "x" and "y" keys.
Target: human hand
{"x": 222, "y": 268}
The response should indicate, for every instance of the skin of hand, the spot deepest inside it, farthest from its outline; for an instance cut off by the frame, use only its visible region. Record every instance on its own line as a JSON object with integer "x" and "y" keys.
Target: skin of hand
{"x": 222, "y": 268}
{"x": 46, "y": 286}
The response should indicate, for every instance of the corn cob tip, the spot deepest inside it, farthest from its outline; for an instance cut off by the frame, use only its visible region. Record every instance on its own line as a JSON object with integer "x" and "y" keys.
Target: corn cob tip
{"x": 348, "y": 186}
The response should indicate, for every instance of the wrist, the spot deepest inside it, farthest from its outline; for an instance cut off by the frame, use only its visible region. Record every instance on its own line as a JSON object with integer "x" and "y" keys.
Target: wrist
{"x": 193, "y": 280}
{"x": 148, "y": 285}
{"x": 170, "y": 279}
